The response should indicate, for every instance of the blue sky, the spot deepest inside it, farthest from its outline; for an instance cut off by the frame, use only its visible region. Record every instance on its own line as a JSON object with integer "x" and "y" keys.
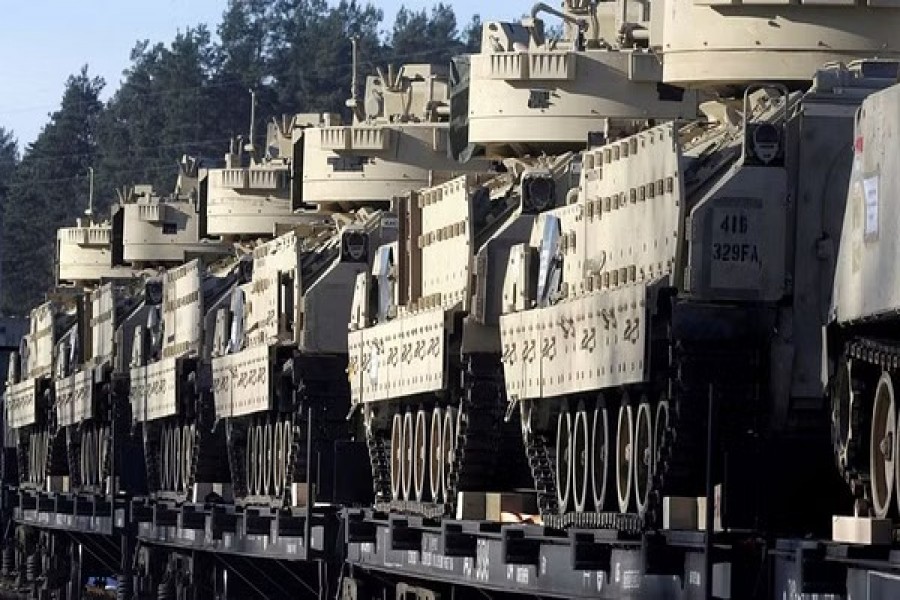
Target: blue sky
{"x": 44, "y": 41}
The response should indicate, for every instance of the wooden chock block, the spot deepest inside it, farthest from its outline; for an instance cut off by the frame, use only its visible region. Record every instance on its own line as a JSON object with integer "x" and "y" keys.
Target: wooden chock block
{"x": 202, "y": 491}
{"x": 681, "y": 513}
{"x": 498, "y": 503}
{"x": 471, "y": 506}
{"x": 299, "y": 494}
{"x": 862, "y": 530}
{"x": 717, "y": 510}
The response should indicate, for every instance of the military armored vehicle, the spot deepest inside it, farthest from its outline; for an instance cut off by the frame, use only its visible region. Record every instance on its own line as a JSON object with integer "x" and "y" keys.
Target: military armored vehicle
{"x": 102, "y": 278}
{"x": 425, "y": 343}
{"x": 280, "y": 351}
{"x": 277, "y": 364}
{"x": 694, "y": 259}
{"x": 220, "y": 214}
{"x": 863, "y": 337}
{"x": 640, "y": 283}
{"x": 29, "y": 400}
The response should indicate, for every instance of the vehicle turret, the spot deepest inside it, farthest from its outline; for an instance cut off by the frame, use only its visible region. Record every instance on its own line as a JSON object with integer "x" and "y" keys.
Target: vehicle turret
{"x": 721, "y": 43}
{"x": 397, "y": 141}
{"x": 253, "y": 194}
{"x": 531, "y": 91}
{"x": 160, "y": 230}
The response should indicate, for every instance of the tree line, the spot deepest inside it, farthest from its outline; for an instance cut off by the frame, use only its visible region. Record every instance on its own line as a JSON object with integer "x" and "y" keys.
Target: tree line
{"x": 191, "y": 96}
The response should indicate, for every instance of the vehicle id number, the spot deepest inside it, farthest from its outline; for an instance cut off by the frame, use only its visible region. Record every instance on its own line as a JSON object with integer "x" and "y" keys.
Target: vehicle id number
{"x": 736, "y": 252}
{"x": 733, "y": 229}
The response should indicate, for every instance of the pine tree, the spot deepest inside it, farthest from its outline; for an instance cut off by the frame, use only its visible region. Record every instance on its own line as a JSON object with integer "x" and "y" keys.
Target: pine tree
{"x": 418, "y": 37}
{"x": 245, "y": 56}
{"x": 311, "y": 61}
{"x": 191, "y": 96}
{"x": 165, "y": 108}
{"x": 471, "y": 36}
{"x": 48, "y": 190}
{"x": 9, "y": 158}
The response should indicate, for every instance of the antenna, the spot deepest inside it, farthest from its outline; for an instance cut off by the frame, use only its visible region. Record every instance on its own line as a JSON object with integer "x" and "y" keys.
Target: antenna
{"x": 354, "y": 82}
{"x": 353, "y": 103}
{"x": 90, "y": 209}
{"x": 250, "y": 147}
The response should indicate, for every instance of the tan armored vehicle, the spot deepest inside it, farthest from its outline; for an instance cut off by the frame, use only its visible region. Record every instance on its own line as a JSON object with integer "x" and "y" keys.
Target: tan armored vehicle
{"x": 106, "y": 277}
{"x": 693, "y": 255}
{"x": 425, "y": 340}
{"x": 280, "y": 349}
{"x": 863, "y": 340}
{"x": 169, "y": 379}
{"x": 277, "y": 362}
{"x": 29, "y": 400}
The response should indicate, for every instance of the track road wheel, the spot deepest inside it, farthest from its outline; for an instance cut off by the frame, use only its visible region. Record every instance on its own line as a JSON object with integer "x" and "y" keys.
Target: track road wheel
{"x": 897, "y": 462}
{"x": 436, "y": 455}
{"x": 166, "y": 454}
{"x": 624, "y": 456}
{"x": 396, "y": 456}
{"x": 448, "y": 446}
{"x": 660, "y": 427}
{"x": 420, "y": 449}
{"x": 581, "y": 458}
{"x": 251, "y": 460}
{"x": 268, "y": 456}
{"x": 408, "y": 455}
{"x": 260, "y": 458}
{"x": 643, "y": 456}
{"x": 278, "y": 471}
{"x": 883, "y": 446}
{"x": 175, "y": 461}
{"x": 599, "y": 456}
{"x": 564, "y": 458}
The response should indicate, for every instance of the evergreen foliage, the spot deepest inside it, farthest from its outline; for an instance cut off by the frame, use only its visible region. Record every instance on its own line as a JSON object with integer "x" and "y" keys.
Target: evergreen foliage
{"x": 191, "y": 96}
{"x": 47, "y": 190}
{"x": 9, "y": 158}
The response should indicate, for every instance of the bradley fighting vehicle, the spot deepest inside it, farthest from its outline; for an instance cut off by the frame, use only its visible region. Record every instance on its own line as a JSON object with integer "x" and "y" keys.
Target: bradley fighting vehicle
{"x": 279, "y": 353}
{"x": 167, "y": 368}
{"x": 863, "y": 338}
{"x": 697, "y": 253}
{"x": 107, "y": 276}
{"x": 425, "y": 342}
